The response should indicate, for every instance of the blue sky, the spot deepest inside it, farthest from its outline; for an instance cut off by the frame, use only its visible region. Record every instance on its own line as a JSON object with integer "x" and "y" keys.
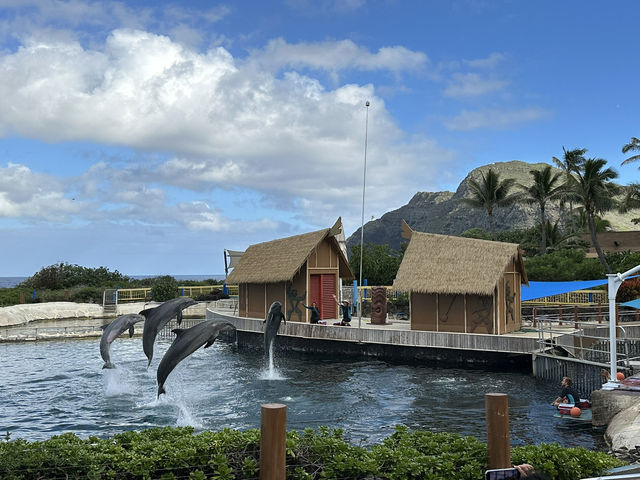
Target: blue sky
{"x": 148, "y": 136}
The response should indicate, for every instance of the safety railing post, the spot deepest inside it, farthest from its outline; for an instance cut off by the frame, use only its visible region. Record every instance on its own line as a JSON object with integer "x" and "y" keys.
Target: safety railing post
{"x": 498, "y": 445}
{"x": 273, "y": 438}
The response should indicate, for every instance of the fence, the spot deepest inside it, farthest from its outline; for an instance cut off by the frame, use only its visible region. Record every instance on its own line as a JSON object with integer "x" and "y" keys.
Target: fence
{"x": 144, "y": 294}
{"x": 580, "y": 349}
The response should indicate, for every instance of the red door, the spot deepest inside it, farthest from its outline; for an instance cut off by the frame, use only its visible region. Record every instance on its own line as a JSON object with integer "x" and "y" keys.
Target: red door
{"x": 322, "y": 289}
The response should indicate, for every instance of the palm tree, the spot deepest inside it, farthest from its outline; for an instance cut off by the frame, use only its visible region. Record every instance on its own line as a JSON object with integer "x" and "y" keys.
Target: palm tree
{"x": 593, "y": 189}
{"x": 571, "y": 162}
{"x": 490, "y": 193}
{"x": 633, "y": 145}
{"x": 543, "y": 190}
{"x": 631, "y": 200}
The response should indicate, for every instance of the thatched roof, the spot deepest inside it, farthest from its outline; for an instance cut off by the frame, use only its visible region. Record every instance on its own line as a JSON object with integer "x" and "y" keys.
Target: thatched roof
{"x": 280, "y": 260}
{"x": 455, "y": 265}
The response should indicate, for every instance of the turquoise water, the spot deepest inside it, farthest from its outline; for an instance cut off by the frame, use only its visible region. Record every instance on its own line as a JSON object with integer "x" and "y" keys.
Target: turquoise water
{"x": 47, "y": 388}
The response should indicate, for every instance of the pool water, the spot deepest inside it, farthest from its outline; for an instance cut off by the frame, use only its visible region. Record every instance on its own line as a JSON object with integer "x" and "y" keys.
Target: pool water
{"x": 52, "y": 387}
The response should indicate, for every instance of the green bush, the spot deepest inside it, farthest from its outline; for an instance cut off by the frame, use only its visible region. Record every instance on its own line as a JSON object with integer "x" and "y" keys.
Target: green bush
{"x": 164, "y": 288}
{"x": 563, "y": 265}
{"x": 171, "y": 453}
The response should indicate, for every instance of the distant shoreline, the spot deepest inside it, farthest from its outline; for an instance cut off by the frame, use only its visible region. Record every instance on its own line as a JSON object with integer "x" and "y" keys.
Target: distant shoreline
{"x": 10, "y": 282}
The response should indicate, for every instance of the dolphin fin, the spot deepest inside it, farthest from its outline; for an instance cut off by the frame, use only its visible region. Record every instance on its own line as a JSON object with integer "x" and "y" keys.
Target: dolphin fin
{"x": 161, "y": 390}
{"x": 131, "y": 331}
{"x": 209, "y": 343}
{"x": 108, "y": 365}
{"x": 178, "y": 331}
{"x": 179, "y": 317}
{"x": 145, "y": 312}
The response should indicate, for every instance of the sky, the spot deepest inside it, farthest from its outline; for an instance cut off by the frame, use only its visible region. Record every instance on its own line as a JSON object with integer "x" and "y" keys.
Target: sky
{"x": 149, "y": 136}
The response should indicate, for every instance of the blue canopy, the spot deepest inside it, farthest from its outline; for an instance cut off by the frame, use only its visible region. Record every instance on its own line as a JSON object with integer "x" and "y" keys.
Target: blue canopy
{"x": 547, "y": 289}
{"x": 632, "y": 303}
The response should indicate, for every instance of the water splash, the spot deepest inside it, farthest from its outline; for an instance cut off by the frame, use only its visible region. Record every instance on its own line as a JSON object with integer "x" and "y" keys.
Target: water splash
{"x": 116, "y": 383}
{"x": 271, "y": 372}
{"x": 185, "y": 417}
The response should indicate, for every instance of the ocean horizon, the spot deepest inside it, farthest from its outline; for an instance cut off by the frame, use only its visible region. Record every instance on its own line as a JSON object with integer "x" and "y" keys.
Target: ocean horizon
{"x": 10, "y": 282}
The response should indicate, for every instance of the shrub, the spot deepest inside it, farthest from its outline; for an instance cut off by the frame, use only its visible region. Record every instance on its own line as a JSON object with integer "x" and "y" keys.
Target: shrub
{"x": 164, "y": 288}
{"x": 171, "y": 453}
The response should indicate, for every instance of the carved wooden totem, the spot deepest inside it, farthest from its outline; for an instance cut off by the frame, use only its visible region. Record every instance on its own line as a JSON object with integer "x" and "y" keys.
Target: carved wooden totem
{"x": 378, "y": 305}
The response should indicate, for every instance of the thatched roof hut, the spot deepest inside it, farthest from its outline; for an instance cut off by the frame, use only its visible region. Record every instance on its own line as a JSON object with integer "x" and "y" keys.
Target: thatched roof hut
{"x": 288, "y": 269}
{"x": 450, "y": 269}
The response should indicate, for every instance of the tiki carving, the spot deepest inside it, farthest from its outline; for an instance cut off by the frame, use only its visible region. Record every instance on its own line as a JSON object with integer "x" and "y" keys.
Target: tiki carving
{"x": 378, "y": 305}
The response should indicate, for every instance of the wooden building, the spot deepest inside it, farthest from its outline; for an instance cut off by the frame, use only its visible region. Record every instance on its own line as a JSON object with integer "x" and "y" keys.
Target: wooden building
{"x": 614, "y": 242}
{"x": 458, "y": 284}
{"x": 295, "y": 271}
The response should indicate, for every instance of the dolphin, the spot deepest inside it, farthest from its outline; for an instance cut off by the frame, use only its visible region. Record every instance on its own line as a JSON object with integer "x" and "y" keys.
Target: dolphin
{"x": 272, "y": 324}
{"x": 158, "y": 317}
{"x": 112, "y": 331}
{"x": 186, "y": 342}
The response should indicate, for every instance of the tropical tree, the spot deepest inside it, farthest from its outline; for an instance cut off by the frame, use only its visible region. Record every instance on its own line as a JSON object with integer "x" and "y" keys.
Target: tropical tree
{"x": 490, "y": 193}
{"x": 593, "y": 189}
{"x": 631, "y": 200}
{"x": 632, "y": 146}
{"x": 571, "y": 162}
{"x": 545, "y": 188}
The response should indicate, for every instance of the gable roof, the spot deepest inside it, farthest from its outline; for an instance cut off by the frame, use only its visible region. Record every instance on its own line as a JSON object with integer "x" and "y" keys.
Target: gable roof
{"x": 454, "y": 265}
{"x": 280, "y": 260}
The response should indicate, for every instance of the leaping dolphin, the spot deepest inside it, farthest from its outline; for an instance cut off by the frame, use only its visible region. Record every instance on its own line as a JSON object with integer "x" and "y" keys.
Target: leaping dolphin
{"x": 272, "y": 324}
{"x": 186, "y": 342}
{"x": 113, "y": 330}
{"x": 158, "y": 317}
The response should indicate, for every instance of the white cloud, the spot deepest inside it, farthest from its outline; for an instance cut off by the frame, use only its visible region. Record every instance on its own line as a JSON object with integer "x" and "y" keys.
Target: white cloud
{"x": 489, "y": 62}
{"x": 495, "y": 119}
{"x": 217, "y": 123}
{"x": 338, "y": 55}
{"x": 471, "y": 84}
{"x": 24, "y": 194}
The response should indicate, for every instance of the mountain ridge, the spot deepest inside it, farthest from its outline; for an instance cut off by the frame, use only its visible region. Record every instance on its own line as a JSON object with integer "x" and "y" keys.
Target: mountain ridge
{"x": 443, "y": 212}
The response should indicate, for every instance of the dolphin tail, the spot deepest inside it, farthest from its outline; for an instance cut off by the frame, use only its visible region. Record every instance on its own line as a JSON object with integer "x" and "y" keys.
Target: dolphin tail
{"x": 161, "y": 390}
{"x": 179, "y": 317}
{"x": 108, "y": 365}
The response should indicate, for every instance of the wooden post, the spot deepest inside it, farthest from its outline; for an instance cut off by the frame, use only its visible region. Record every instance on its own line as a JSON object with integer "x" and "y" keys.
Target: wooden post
{"x": 535, "y": 322}
{"x": 575, "y": 316}
{"x": 21, "y": 297}
{"x": 599, "y": 312}
{"x": 498, "y": 446}
{"x": 560, "y": 314}
{"x": 273, "y": 437}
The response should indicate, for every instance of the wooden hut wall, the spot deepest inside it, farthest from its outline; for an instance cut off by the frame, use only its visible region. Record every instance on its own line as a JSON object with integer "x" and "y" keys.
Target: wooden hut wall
{"x": 424, "y": 311}
{"x": 512, "y": 281}
{"x": 479, "y": 313}
{"x": 275, "y": 292}
{"x": 451, "y": 313}
{"x": 242, "y": 300}
{"x": 296, "y": 297}
{"x": 256, "y": 305}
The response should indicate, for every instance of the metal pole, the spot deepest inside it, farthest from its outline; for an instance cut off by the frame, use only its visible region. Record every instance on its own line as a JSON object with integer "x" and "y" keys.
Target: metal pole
{"x": 614, "y": 282}
{"x": 364, "y": 183}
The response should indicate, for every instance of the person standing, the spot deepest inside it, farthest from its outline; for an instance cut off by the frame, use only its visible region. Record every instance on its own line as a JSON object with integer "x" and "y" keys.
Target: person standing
{"x": 315, "y": 313}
